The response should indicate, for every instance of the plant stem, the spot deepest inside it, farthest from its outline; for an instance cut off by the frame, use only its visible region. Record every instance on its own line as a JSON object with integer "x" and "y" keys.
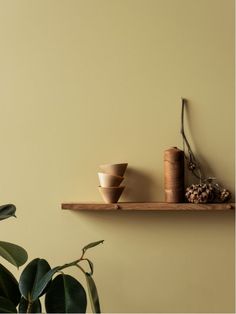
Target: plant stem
{"x": 29, "y": 307}
{"x": 76, "y": 263}
{"x": 81, "y": 268}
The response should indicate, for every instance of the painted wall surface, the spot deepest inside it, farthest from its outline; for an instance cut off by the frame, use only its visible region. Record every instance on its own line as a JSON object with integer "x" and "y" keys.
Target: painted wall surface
{"x": 85, "y": 82}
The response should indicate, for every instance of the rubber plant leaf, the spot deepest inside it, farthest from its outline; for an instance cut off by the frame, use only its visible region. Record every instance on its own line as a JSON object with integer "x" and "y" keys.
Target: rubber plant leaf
{"x": 9, "y": 286}
{"x": 13, "y": 253}
{"x": 6, "y": 306}
{"x": 35, "y": 307}
{"x": 7, "y": 211}
{"x": 44, "y": 282}
{"x": 90, "y": 245}
{"x": 93, "y": 294}
{"x": 65, "y": 295}
{"x": 31, "y": 277}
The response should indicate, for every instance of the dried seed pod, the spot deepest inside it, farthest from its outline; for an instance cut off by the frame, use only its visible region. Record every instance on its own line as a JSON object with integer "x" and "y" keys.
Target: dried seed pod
{"x": 221, "y": 194}
{"x": 199, "y": 193}
{"x": 191, "y": 166}
{"x": 224, "y": 196}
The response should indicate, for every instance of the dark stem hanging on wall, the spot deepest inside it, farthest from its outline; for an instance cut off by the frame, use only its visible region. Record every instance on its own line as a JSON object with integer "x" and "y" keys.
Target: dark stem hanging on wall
{"x": 192, "y": 163}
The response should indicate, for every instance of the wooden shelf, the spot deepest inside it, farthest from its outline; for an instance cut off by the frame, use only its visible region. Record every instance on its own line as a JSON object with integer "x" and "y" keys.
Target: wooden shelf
{"x": 155, "y": 206}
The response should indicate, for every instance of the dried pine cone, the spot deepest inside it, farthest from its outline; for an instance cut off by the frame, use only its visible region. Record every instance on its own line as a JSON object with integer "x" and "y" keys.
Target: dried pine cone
{"x": 199, "y": 193}
{"x": 191, "y": 166}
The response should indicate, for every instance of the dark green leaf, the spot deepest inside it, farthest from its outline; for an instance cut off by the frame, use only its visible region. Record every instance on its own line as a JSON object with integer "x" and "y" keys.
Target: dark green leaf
{"x": 6, "y": 306}
{"x": 34, "y": 308}
{"x": 13, "y": 253}
{"x": 44, "y": 282}
{"x": 30, "y": 278}
{"x": 9, "y": 286}
{"x": 90, "y": 245}
{"x": 93, "y": 294}
{"x": 65, "y": 295}
{"x": 7, "y": 211}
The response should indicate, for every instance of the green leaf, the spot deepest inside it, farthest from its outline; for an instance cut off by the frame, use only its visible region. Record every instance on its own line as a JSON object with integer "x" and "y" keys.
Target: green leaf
{"x": 13, "y": 253}
{"x": 9, "y": 286}
{"x": 65, "y": 295}
{"x": 44, "y": 282}
{"x": 93, "y": 294}
{"x": 7, "y": 211}
{"x": 6, "y": 306}
{"x": 90, "y": 245}
{"x": 30, "y": 278}
{"x": 35, "y": 307}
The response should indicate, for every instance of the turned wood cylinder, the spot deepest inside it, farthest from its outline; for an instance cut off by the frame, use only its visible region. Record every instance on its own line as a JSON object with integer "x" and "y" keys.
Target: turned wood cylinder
{"x": 174, "y": 175}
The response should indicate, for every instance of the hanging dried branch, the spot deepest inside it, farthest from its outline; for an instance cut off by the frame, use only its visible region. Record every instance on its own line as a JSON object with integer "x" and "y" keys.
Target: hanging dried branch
{"x": 207, "y": 190}
{"x": 192, "y": 163}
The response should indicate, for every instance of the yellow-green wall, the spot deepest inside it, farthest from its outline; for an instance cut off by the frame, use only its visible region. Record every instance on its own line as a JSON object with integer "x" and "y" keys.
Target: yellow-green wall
{"x": 84, "y": 82}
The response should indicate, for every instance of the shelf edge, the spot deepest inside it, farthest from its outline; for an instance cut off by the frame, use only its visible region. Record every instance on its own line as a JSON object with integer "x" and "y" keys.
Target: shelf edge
{"x": 148, "y": 206}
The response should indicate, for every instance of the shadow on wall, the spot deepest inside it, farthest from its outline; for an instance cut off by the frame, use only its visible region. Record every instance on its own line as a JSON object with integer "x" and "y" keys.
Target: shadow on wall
{"x": 176, "y": 224}
{"x": 140, "y": 186}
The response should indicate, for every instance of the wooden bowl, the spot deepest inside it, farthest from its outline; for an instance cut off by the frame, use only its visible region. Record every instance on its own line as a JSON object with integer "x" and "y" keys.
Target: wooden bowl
{"x": 115, "y": 169}
{"x": 108, "y": 180}
{"x": 111, "y": 194}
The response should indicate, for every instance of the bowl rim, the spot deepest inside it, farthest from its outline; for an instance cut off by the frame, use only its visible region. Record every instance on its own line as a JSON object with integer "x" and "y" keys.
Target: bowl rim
{"x": 111, "y": 187}
{"x": 114, "y": 164}
{"x": 110, "y": 175}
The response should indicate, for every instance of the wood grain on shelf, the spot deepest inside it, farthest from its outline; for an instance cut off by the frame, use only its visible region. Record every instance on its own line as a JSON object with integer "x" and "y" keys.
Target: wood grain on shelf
{"x": 155, "y": 206}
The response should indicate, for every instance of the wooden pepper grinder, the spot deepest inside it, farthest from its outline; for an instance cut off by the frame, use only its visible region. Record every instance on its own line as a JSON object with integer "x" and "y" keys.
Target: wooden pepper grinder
{"x": 174, "y": 175}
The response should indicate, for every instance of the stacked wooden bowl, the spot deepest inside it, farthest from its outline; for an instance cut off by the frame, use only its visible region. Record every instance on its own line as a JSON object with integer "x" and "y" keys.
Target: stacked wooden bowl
{"x": 110, "y": 179}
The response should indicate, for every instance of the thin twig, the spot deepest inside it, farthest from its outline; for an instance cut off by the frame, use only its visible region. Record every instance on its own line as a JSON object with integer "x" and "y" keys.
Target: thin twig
{"x": 193, "y": 164}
